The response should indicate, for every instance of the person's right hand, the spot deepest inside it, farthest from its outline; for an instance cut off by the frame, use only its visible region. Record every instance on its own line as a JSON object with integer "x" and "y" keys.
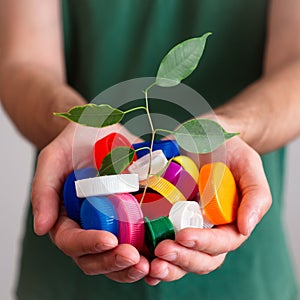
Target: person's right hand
{"x": 94, "y": 251}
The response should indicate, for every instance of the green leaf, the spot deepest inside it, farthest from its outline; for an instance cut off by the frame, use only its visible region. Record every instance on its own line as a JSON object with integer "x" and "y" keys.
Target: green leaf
{"x": 201, "y": 135}
{"x": 93, "y": 115}
{"x": 229, "y": 135}
{"x": 181, "y": 61}
{"x": 116, "y": 161}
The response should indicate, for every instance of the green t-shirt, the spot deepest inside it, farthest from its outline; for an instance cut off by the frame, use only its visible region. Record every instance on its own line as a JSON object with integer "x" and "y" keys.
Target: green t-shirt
{"x": 111, "y": 41}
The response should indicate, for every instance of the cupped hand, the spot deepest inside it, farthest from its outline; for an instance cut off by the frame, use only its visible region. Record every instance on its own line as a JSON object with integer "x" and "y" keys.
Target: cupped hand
{"x": 94, "y": 251}
{"x": 201, "y": 251}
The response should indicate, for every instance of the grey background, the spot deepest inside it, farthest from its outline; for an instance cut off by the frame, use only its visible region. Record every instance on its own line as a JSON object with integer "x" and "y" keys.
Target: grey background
{"x": 16, "y": 162}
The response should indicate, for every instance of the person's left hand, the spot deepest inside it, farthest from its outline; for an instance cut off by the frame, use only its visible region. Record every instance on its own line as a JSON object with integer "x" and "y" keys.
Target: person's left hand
{"x": 201, "y": 251}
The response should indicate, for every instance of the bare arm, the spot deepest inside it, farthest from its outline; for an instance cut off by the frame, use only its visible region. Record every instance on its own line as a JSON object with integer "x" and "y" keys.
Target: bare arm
{"x": 266, "y": 112}
{"x": 32, "y": 75}
{"x": 32, "y": 85}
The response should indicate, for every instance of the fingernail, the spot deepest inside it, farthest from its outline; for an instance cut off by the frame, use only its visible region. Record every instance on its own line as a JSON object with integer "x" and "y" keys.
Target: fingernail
{"x": 135, "y": 274}
{"x": 163, "y": 274}
{"x": 122, "y": 262}
{"x": 35, "y": 222}
{"x": 252, "y": 222}
{"x": 107, "y": 245}
{"x": 152, "y": 281}
{"x": 35, "y": 214}
{"x": 188, "y": 243}
{"x": 169, "y": 256}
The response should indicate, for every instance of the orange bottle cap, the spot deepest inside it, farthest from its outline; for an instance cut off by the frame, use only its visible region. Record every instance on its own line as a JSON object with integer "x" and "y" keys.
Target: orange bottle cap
{"x": 218, "y": 192}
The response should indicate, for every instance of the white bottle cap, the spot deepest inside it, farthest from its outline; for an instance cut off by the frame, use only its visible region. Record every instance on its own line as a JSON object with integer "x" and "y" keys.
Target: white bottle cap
{"x": 186, "y": 214}
{"x": 141, "y": 166}
{"x": 106, "y": 185}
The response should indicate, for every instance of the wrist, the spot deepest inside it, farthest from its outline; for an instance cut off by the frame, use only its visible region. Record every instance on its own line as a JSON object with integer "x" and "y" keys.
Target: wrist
{"x": 62, "y": 98}
{"x": 249, "y": 123}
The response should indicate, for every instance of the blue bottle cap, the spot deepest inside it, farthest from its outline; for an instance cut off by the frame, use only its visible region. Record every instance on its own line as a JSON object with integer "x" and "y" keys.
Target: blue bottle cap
{"x": 71, "y": 201}
{"x": 99, "y": 213}
{"x": 170, "y": 148}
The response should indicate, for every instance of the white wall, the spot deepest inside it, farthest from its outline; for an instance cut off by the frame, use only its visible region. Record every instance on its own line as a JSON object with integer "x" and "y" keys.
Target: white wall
{"x": 292, "y": 201}
{"x": 16, "y": 157}
{"x": 16, "y": 161}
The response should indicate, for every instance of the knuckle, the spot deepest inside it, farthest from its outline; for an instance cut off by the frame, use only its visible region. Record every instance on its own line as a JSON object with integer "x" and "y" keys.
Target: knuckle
{"x": 60, "y": 243}
{"x": 211, "y": 264}
{"x": 87, "y": 270}
{"x": 87, "y": 266}
{"x": 60, "y": 240}
{"x": 269, "y": 200}
{"x": 186, "y": 261}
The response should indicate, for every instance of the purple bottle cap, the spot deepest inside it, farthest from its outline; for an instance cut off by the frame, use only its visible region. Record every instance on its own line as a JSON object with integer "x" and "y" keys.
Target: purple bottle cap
{"x": 182, "y": 180}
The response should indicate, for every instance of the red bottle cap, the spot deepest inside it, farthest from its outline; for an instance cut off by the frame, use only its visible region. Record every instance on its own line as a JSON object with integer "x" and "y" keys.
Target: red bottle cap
{"x": 154, "y": 205}
{"x": 103, "y": 146}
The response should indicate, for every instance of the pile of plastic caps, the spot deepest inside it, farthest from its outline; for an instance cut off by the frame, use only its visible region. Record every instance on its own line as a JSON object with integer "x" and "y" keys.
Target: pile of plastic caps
{"x": 178, "y": 194}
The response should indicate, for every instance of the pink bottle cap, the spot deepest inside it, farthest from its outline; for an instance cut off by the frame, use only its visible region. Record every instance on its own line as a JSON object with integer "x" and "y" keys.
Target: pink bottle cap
{"x": 130, "y": 216}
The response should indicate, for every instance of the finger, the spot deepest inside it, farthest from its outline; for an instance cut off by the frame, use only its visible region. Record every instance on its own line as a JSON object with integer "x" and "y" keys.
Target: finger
{"x": 161, "y": 270}
{"x": 215, "y": 241}
{"x": 50, "y": 174}
{"x": 254, "y": 205}
{"x": 256, "y": 197}
{"x": 152, "y": 281}
{"x": 121, "y": 257}
{"x": 131, "y": 274}
{"x": 74, "y": 241}
{"x": 188, "y": 260}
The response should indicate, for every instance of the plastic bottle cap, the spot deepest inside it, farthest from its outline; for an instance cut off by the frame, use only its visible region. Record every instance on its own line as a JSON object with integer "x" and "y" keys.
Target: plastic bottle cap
{"x": 180, "y": 178}
{"x": 164, "y": 188}
{"x": 186, "y": 214}
{"x": 169, "y": 147}
{"x": 218, "y": 193}
{"x": 149, "y": 197}
{"x": 130, "y": 217}
{"x": 71, "y": 201}
{"x": 207, "y": 224}
{"x": 106, "y": 185}
{"x": 188, "y": 164}
{"x": 103, "y": 146}
{"x": 158, "y": 230}
{"x": 154, "y": 205}
{"x": 98, "y": 213}
{"x": 141, "y": 166}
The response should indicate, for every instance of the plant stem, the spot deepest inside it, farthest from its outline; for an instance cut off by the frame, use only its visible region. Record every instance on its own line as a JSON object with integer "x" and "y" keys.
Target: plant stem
{"x": 142, "y": 148}
{"x": 134, "y": 109}
{"x": 163, "y": 130}
{"x": 147, "y": 107}
{"x": 152, "y": 138}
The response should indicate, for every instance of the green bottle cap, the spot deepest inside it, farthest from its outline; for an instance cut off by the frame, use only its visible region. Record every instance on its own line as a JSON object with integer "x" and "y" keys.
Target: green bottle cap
{"x": 158, "y": 230}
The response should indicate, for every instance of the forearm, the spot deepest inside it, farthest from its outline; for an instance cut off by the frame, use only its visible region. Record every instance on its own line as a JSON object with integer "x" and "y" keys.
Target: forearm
{"x": 266, "y": 111}
{"x": 30, "y": 94}
{"x": 32, "y": 72}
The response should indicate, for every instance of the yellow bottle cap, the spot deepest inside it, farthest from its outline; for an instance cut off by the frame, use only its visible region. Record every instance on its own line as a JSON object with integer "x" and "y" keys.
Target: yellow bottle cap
{"x": 188, "y": 164}
{"x": 164, "y": 188}
{"x": 218, "y": 193}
